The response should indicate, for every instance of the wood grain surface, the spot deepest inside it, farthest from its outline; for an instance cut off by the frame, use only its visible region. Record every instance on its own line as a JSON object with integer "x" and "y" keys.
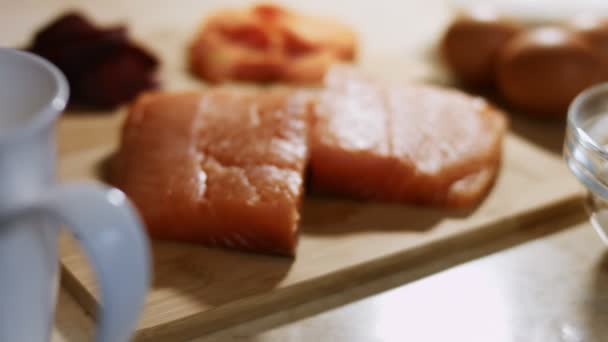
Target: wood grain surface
{"x": 199, "y": 290}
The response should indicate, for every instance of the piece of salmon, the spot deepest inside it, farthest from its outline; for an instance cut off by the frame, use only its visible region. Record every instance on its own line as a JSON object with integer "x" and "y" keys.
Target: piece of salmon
{"x": 220, "y": 167}
{"x": 410, "y": 143}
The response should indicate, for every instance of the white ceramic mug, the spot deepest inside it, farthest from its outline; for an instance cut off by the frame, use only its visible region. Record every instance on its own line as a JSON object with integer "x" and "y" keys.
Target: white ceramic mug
{"x": 32, "y": 207}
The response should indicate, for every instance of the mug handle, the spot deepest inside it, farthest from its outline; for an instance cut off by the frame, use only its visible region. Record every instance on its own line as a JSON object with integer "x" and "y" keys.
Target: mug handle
{"x": 104, "y": 222}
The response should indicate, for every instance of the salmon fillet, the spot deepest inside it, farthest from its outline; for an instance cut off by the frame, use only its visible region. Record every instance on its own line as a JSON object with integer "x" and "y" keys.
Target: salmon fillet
{"x": 267, "y": 43}
{"x": 222, "y": 167}
{"x": 410, "y": 143}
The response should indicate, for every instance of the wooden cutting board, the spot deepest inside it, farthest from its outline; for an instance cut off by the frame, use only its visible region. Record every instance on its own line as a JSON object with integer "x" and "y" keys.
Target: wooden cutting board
{"x": 198, "y": 290}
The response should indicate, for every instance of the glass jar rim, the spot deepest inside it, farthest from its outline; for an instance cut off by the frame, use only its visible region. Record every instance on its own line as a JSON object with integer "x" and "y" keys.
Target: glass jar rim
{"x": 574, "y": 120}
{"x": 585, "y": 156}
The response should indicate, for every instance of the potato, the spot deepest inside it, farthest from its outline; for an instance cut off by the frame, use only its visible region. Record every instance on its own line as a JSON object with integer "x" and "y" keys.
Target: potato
{"x": 540, "y": 71}
{"x": 594, "y": 29}
{"x": 472, "y": 42}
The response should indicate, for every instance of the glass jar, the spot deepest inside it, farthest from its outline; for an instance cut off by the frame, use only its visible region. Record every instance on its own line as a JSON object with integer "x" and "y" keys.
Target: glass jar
{"x": 586, "y": 151}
